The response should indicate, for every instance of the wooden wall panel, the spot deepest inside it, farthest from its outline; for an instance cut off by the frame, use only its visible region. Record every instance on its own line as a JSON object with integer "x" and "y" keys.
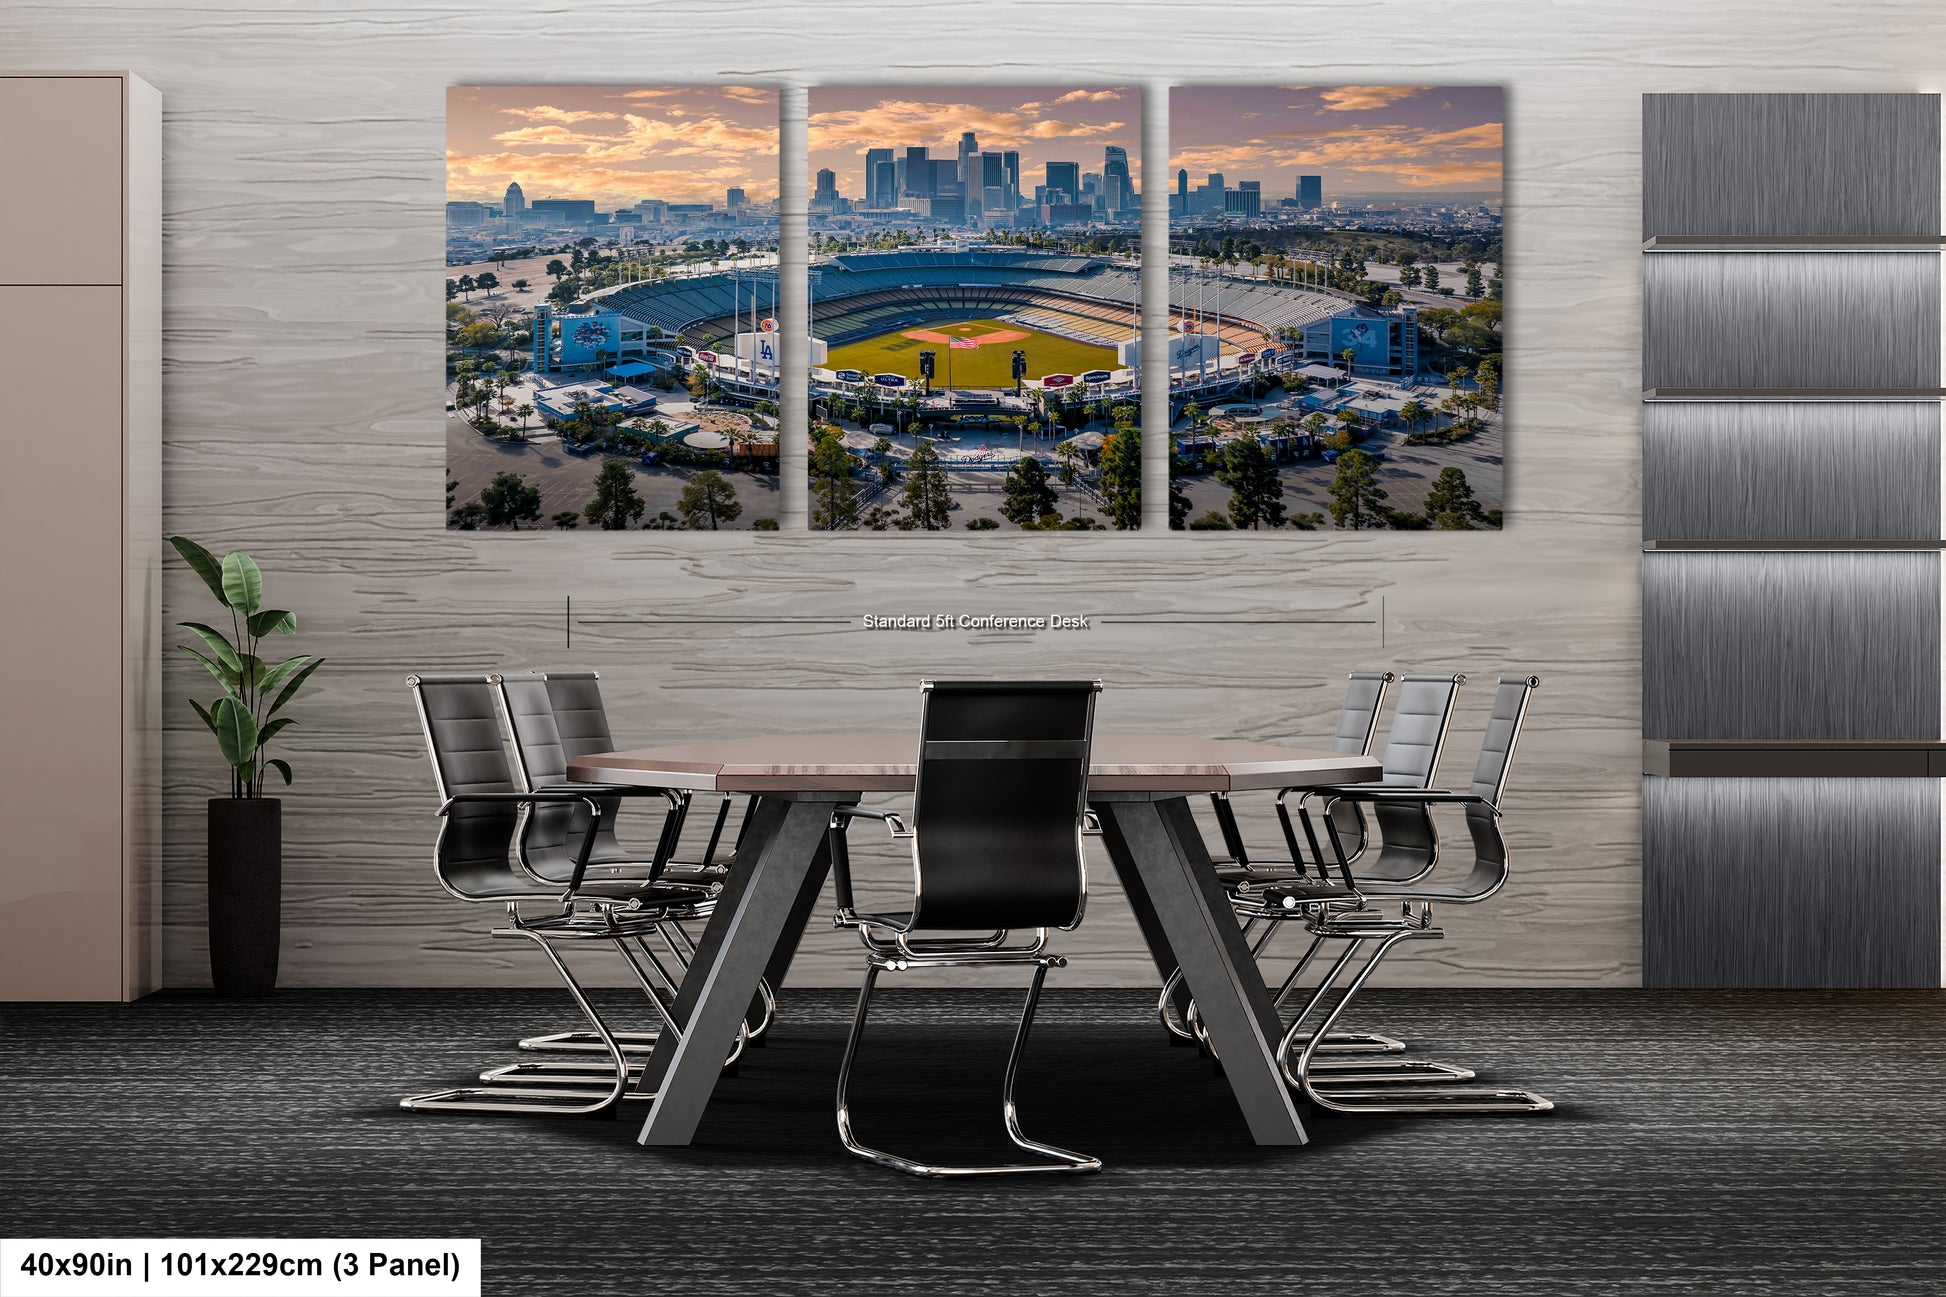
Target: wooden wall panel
{"x": 303, "y": 198}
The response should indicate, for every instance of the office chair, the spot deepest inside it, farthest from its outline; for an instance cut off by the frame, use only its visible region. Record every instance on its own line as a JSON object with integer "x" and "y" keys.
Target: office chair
{"x": 1357, "y": 925}
{"x": 474, "y": 860}
{"x": 556, "y": 717}
{"x": 998, "y": 813}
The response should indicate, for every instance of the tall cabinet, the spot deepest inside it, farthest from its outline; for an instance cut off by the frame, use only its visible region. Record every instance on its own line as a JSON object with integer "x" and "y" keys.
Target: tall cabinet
{"x": 1791, "y": 579}
{"x": 81, "y": 535}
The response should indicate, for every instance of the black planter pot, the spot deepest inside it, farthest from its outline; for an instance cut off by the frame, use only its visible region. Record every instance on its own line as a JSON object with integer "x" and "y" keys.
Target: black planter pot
{"x": 246, "y": 885}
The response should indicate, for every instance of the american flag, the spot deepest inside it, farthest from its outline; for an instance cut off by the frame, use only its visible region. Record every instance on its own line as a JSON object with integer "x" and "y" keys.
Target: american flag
{"x": 962, "y": 344}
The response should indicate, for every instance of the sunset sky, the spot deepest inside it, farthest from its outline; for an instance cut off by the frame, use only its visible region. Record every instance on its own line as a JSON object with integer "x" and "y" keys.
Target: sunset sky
{"x": 614, "y": 144}
{"x": 1408, "y": 141}
{"x": 1045, "y": 123}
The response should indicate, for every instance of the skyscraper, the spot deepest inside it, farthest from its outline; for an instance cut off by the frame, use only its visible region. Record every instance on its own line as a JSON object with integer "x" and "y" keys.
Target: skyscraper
{"x": 874, "y": 195}
{"x": 1117, "y": 186}
{"x": 969, "y": 144}
{"x": 514, "y": 203}
{"x": 1182, "y": 186}
{"x": 1010, "y": 161}
{"x": 827, "y": 189}
{"x": 733, "y": 199}
{"x": 945, "y": 178}
{"x": 1310, "y": 192}
{"x": 918, "y": 173}
{"x": 1066, "y": 177}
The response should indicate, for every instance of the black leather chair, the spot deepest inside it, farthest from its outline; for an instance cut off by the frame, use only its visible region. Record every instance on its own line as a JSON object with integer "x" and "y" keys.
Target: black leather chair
{"x": 555, "y": 717}
{"x": 1357, "y": 924}
{"x": 474, "y": 859}
{"x": 998, "y": 813}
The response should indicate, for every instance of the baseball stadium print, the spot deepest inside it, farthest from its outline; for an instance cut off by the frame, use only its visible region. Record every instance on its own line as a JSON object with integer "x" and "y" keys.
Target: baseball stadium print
{"x": 975, "y": 283}
{"x": 611, "y": 308}
{"x": 1335, "y": 268}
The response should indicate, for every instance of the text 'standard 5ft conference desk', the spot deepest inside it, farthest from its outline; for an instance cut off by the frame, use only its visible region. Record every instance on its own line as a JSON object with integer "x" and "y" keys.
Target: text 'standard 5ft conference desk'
{"x": 1139, "y": 785}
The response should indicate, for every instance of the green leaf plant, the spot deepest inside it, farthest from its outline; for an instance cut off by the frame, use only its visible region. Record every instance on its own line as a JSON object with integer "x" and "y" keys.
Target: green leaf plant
{"x": 244, "y": 719}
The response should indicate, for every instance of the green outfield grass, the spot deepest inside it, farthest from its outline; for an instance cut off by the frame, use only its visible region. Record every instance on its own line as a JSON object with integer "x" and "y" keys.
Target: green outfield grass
{"x": 990, "y": 366}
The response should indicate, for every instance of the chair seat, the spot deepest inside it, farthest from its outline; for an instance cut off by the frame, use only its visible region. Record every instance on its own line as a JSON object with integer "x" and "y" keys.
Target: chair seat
{"x": 1415, "y": 892}
{"x": 1307, "y": 890}
{"x": 603, "y": 889}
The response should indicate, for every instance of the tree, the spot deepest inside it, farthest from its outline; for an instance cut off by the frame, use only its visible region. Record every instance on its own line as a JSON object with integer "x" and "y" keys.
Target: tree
{"x": 1210, "y": 521}
{"x": 509, "y": 501}
{"x": 1121, "y": 477}
{"x": 487, "y": 282}
{"x": 765, "y": 524}
{"x": 1430, "y": 277}
{"x": 1347, "y": 356}
{"x": 1473, "y": 285}
{"x": 834, "y": 506}
{"x": 616, "y": 505}
{"x": 708, "y": 502}
{"x": 452, "y": 289}
{"x": 928, "y": 504}
{"x": 557, "y": 268}
{"x": 468, "y": 517}
{"x": 567, "y": 520}
{"x": 479, "y": 336}
{"x": 1256, "y": 490}
{"x": 1412, "y": 414}
{"x": 1357, "y": 500}
{"x": 521, "y": 285}
{"x": 1451, "y": 504}
{"x": 1029, "y": 496}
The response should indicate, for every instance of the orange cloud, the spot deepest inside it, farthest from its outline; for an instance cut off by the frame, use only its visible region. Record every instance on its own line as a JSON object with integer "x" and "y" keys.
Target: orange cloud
{"x": 1344, "y": 99}
{"x": 560, "y": 116}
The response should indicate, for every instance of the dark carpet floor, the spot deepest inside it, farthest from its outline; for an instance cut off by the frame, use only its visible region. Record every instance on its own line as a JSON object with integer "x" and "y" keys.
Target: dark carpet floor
{"x": 1720, "y": 1143}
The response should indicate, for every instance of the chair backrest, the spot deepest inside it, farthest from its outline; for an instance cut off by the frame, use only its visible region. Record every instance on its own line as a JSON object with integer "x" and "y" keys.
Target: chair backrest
{"x": 1504, "y": 722}
{"x": 997, "y": 807}
{"x": 1417, "y": 738}
{"x": 1358, "y": 719}
{"x": 1357, "y": 724}
{"x": 462, "y": 731}
{"x": 1413, "y": 746}
{"x": 556, "y": 717}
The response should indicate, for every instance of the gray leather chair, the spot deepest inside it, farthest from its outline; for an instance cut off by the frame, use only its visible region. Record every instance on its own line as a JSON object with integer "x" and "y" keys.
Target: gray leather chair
{"x": 1356, "y": 923}
{"x": 998, "y": 813}
{"x": 555, "y": 717}
{"x": 481, "y": 809}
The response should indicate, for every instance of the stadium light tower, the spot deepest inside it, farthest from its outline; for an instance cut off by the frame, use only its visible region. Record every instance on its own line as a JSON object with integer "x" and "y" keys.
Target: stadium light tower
{"x": 1020, "y": 369}
{"x": 926, "y": 359}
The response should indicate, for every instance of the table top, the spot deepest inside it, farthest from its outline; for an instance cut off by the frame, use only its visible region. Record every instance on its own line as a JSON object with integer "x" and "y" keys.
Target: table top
{"x": 1123, "y": 763}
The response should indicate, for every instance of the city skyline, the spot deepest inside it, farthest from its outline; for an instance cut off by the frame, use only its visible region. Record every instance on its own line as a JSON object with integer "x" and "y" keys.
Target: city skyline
{"x": 1042, "y": 123}
{"x": 1408, "y": 143}
{"x": 615, "y": 145}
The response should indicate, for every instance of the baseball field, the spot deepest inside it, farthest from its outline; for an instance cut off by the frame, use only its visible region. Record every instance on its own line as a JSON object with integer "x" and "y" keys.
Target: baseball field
{"x": 988, "y": 364}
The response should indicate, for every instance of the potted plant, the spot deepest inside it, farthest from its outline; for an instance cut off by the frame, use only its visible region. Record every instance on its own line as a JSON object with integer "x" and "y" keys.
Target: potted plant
{"x": 246, "y": 828}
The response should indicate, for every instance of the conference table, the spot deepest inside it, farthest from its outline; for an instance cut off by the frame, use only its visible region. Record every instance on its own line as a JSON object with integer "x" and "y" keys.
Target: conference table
{"x": 1139, "y": 785}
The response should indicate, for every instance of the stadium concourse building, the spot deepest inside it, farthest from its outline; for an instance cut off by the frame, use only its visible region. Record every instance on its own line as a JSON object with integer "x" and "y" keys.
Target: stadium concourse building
{"x": 725, "y": 321}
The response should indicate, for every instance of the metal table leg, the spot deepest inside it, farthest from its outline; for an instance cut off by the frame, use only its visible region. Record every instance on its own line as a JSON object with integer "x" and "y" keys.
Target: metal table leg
{"x": 1159, "y": 853}
{"x": 758, "y": 903}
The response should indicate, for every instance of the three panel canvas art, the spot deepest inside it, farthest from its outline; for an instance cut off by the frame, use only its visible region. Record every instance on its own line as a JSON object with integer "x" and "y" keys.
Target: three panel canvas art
{"x": 973, "y": 347}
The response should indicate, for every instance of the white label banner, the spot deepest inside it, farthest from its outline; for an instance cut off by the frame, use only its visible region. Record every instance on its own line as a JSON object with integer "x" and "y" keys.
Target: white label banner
{"x": 247, "y": 1267}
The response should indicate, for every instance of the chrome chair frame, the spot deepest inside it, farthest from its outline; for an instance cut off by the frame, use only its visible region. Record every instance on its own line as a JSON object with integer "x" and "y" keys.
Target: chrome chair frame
{"x": 892, "y": 942}
{"x": 531, "y": 733}
{"x": 1357, "y": 925}
{"x": 619, "y": 912}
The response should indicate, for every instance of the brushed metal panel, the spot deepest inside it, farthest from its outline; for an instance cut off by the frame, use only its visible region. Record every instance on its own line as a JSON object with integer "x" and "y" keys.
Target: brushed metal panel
{"x": 1779, "y": 471}
{"x": 1790, "y": 646}
{"x": 1790, "y": 164}
{"x": 1781, "y": 319}
{"x": 1790, "y": 882}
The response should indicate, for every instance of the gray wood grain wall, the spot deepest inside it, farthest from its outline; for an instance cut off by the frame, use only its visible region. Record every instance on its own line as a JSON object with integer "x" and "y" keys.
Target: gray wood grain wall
{"x": 303, "y": 195}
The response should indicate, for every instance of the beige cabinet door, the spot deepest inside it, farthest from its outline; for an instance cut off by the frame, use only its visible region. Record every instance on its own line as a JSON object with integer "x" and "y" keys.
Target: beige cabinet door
{"x": 60, "y": 180}
{"x": 60, "y": 582}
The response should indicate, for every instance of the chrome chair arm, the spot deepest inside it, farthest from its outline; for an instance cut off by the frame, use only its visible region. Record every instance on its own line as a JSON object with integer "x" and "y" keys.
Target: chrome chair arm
{"x": 892, "y": 820}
